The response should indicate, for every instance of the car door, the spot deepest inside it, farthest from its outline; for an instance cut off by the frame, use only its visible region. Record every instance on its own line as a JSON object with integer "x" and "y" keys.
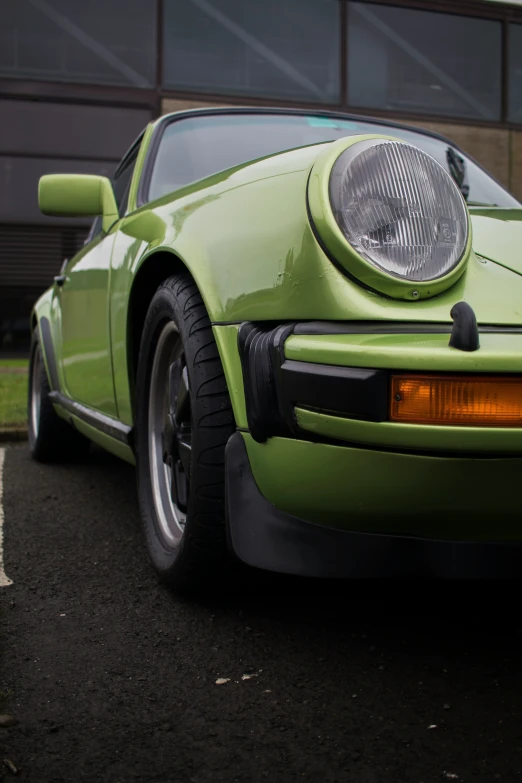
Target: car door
{"x": 84, "y": 303}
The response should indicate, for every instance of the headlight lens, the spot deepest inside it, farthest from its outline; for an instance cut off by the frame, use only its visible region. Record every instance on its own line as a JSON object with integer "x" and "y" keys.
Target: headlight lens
{"x": 399, "y": 209}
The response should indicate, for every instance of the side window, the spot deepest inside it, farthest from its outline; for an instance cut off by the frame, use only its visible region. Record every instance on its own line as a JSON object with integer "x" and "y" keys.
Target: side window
{"x": 121, "y": 185}
{"x": 94, "y": 230}
{"x": 121, "y": 182}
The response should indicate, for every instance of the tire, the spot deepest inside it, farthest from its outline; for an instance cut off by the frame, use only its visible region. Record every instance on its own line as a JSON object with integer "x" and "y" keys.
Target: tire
{"x": 51, "y": 439}
{"x": 182, "y": 491}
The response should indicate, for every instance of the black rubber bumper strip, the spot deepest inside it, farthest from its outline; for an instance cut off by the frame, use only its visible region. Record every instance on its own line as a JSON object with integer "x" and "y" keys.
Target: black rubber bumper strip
{"x": 328, "y": 328}
{"x": 100, "y": 421}
{"x": 350, "y": 391}
{"x": 265, "y": 537}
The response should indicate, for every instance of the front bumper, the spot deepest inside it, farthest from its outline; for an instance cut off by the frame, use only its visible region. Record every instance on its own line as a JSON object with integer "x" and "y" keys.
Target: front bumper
{"x": 321, "y": 483}
{"x": 296, "y": 508}
{"x": 332, "y": 382}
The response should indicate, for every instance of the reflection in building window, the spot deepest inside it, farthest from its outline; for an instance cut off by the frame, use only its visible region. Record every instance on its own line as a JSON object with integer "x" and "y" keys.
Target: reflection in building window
{"x": 424, "y": 62}
{"x": 277, "y": 48}
{"x": 79, "y": 41}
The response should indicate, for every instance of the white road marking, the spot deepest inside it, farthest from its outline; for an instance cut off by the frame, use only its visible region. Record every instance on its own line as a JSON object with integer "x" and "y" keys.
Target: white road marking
{"x": 4, "y": 579}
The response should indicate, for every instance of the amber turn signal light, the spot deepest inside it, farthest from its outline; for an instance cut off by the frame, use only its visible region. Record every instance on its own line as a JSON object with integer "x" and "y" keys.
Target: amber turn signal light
{"x": 478, "y": 401}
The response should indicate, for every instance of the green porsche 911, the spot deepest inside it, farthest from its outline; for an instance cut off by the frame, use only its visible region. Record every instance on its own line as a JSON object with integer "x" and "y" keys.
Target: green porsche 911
{"x": 306, "y": 332}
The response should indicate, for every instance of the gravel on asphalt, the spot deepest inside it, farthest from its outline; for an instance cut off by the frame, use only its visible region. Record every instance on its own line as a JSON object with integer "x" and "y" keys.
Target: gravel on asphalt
{"x": 113, "y": 678}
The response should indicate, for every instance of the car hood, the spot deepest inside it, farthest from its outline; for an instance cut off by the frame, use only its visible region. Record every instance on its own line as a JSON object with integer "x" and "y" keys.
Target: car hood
{"x": 497, "y": 236}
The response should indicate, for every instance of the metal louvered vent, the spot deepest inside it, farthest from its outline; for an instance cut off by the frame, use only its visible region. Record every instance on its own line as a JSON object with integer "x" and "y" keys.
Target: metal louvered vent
{"x": 30, "y": 256}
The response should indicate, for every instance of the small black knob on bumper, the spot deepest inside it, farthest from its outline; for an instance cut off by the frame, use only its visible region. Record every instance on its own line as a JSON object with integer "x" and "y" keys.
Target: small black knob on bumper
{"x": 464, "y": 335}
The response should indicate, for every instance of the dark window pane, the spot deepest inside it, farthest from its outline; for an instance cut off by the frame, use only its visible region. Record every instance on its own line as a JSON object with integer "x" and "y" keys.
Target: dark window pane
{"x": 197, "y": 147}
{"x": 78, "y": 41}
{"x": 277, "y": 48}
{"x": 121, "y": 184}
{"x": 402, "y": 59}
{"x": 515, "y": 73}
{"x": 95, "y": 229}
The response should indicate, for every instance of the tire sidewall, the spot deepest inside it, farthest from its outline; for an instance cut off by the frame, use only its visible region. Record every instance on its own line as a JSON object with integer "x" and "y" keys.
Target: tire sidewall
{"x": 202, "y": 552}
{"x": 171, "y": 563}
{"x": 163, "y": 310}
{"x": 35, "y": 346}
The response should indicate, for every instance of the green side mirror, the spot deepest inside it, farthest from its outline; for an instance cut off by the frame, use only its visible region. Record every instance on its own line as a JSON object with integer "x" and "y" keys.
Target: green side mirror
{"x": 78, "y": 195}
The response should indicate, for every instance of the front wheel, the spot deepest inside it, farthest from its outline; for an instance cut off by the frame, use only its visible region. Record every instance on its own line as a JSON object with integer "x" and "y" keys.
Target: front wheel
{"x": 183, "y": 422}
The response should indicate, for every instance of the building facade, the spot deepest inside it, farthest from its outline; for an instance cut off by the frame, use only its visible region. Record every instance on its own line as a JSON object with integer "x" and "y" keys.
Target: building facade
{"x": 79, "y": 80}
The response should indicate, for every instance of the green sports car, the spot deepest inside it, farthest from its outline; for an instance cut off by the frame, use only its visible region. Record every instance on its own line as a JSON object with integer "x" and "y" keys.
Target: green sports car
{"x": 306, "y": 332}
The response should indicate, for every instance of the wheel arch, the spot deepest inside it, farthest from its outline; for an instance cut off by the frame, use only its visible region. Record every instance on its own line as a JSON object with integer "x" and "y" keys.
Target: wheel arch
{"x": 153, "y": 271}
{"x": 41, "y": 319}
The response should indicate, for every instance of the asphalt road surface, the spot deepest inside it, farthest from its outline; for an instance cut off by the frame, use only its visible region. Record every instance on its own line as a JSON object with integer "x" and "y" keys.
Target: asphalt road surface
{"x": 112, "y": 678}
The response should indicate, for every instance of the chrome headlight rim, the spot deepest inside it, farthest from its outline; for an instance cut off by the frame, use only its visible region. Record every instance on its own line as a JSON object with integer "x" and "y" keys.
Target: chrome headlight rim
{"x": 345, "y": 257}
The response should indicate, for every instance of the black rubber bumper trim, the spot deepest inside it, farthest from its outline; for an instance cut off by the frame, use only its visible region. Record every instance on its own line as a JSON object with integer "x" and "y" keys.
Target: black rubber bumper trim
{"x": 261, "y": 349}
{"x": 274, "y": 385}
{"x": 265, "y": 537}
{"x": 389, "y": 327}
{"x": 355, "y": 392}
{"x": 106, "y": 424}
{"x": 47, "y": 340}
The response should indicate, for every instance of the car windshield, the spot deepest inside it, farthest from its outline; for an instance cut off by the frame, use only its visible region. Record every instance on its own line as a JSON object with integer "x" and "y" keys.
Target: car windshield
{"x": 196, "y": 147}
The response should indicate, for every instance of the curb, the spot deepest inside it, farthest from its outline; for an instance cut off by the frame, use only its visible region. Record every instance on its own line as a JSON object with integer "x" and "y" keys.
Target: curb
{"x": 11, "y": 434}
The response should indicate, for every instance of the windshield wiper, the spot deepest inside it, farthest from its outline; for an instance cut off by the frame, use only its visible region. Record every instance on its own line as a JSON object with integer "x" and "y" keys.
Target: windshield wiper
{"x": 457, "y": 168}
{"x": 480, "y": 204}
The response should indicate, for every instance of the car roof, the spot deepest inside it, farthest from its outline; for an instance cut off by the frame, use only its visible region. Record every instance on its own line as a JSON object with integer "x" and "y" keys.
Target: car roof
{"x": 221, "y": 110}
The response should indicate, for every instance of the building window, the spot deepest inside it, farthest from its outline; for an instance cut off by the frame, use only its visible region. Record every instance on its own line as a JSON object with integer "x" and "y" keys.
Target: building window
{"x": 286, "y": 49}
{"x": 515, "y": 73}
{"x": 405, "y": 60}
{"x": 76, "y": 41}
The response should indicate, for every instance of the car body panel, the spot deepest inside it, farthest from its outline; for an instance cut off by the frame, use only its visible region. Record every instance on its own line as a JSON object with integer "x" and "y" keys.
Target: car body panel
{"x": 499, "y": 352}
{"x": 394, "y": 435}
{"x": 86, "y": 350}
{"x": 497, "y": 235}
{"x": 379, "y": 491}
{"x": 226, "y": 339}
{"x": 126, "y": 250}
{"x": 274, "y": 268}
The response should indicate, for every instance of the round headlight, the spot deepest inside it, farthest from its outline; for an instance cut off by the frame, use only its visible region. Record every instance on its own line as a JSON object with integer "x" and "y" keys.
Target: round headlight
{"x": 399, "y": 209}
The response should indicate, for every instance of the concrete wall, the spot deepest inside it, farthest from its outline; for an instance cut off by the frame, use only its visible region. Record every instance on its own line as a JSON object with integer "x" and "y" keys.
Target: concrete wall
{"x": 498, "y": 150}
